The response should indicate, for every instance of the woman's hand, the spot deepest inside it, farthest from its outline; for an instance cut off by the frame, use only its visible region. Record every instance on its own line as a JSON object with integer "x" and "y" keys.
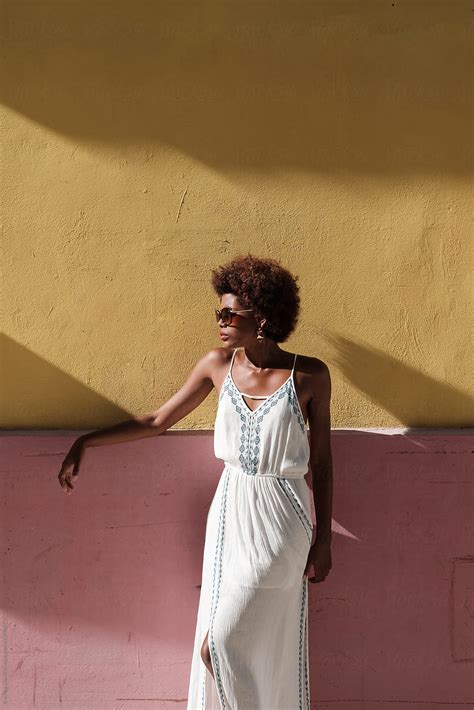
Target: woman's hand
{"x": 70, "y": 466}
{"x": 320, "y": 557}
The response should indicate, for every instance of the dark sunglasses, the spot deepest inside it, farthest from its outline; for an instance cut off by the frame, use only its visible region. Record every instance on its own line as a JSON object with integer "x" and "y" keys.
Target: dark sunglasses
{"x": 225, "y": 314}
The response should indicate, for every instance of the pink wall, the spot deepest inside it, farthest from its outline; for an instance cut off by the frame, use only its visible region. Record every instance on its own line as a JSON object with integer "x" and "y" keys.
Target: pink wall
{"x": 100, "y": 589}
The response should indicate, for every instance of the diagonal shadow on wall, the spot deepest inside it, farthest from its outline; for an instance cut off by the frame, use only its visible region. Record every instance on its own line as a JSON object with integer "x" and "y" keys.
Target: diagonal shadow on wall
{"x": 414, "y": 398}
{"x": 379, "y": 87}
{"x": 34, "y": 389}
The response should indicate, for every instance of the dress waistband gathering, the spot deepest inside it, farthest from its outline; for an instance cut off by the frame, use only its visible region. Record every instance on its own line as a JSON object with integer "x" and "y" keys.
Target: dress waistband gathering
{"x": 236, "y": 469}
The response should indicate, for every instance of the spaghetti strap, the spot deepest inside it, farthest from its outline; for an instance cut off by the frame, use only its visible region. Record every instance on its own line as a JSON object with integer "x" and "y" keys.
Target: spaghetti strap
{"x": 294, "y": 362}
{"x": 256, "y": 396}
{"x": 232, "y": 361}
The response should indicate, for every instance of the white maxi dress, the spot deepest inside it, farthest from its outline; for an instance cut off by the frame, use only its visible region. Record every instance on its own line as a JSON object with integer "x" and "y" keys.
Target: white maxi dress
{"x": 254, "y": 596}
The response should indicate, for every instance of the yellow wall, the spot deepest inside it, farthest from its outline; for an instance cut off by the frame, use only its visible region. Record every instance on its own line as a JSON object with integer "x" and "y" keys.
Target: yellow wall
{"x": 146, "y": 142}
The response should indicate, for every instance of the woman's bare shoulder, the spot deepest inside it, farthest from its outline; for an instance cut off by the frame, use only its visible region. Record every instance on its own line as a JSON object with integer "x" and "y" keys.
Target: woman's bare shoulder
{"x": 312, "y": 365}
{"x": 217, "y": 359}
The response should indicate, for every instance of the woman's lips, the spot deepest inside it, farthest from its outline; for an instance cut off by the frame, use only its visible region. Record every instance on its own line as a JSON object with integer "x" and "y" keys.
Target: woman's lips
{"x": 224, "y": 336}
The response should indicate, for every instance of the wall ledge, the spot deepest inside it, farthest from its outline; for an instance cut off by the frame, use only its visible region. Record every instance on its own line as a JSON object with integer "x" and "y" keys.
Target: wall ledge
{"x": 385, "y": 431}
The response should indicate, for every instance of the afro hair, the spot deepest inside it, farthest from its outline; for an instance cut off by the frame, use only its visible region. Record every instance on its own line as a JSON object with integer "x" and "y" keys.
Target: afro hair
{"x": 263, "y": 285}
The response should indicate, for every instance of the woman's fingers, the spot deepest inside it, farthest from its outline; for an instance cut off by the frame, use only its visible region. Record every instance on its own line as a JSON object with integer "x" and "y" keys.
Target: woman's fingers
{"x": 66, "y": 477}
{"x": 63, "y": 480}
{"x": 70, "y": 467}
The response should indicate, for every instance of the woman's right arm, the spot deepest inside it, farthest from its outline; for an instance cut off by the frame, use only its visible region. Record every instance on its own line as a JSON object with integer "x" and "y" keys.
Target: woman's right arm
{"x": 194, "y": 391}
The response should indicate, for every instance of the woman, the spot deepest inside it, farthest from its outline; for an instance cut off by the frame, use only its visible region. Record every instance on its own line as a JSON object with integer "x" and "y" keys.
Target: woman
{"x": 251, "y": 639}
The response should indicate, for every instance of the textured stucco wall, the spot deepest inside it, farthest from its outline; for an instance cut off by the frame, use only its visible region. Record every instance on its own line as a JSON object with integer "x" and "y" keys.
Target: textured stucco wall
{"x": 147, "y": 142}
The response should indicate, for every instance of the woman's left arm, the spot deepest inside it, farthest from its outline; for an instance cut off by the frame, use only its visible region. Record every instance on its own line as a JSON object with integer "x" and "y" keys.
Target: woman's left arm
{"x": 319, "y": 420}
